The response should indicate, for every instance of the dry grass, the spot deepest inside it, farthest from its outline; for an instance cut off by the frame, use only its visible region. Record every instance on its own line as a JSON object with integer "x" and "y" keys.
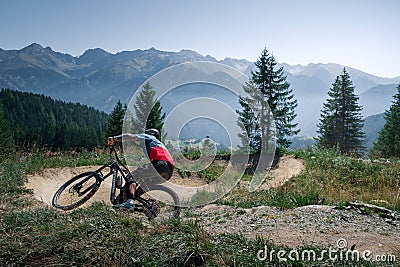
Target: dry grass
{"x": 329, "y": 178}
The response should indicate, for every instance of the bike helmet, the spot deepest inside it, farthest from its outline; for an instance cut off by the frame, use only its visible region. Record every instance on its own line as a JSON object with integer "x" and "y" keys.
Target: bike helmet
{"x": 153, "y": 132}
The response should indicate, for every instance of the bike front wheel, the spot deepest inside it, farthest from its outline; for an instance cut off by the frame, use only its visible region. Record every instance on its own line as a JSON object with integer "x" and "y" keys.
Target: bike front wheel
{"x": 76, "y": 191}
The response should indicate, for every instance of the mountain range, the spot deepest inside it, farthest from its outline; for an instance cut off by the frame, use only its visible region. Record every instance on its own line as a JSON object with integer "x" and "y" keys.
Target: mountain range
{"x": 98, "y": 78}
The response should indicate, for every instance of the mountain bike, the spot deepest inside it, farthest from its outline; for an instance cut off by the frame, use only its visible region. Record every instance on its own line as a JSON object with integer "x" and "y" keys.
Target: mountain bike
{"x": 82, "y": 187}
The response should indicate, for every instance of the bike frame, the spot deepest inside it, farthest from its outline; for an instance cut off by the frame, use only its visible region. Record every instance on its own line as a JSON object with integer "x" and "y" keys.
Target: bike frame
{"x": 114, "y": 170}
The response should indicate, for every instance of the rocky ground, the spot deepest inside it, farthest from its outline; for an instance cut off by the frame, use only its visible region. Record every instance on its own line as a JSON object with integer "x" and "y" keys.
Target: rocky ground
{"x": 315, "y": 225}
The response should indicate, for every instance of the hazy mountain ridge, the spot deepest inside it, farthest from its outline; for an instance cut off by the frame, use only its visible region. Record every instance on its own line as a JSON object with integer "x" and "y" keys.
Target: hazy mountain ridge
{"x": 99, "y": 78}
{"x": 96, "y": 78}
{"x": 327, "y": 72}
{"x": 372, "y": 99}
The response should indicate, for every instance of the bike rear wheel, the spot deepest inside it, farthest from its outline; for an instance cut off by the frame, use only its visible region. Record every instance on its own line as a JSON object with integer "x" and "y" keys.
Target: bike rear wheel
{"x": 162, "y": 194}
{"x": 76, "y": 191}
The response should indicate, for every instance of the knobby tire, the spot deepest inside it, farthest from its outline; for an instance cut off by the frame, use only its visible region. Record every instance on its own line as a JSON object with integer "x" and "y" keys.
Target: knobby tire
{"x": 91, "y": 176}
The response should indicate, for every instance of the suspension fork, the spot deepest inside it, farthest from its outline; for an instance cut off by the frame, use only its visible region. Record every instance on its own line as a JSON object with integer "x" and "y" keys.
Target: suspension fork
{"x": 99, "y": 179}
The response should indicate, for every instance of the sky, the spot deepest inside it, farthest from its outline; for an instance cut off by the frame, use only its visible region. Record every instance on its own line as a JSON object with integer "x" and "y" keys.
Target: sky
{"x": 362, "y": 34}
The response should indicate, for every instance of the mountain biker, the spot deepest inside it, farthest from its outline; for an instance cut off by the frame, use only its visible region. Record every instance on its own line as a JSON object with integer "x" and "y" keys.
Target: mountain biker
{"x": 161, "y": 163}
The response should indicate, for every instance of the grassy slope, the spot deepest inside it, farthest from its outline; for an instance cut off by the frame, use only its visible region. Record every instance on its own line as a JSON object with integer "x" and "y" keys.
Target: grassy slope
{"x": 331, "y": 177}
{"x": 99, "y": 236}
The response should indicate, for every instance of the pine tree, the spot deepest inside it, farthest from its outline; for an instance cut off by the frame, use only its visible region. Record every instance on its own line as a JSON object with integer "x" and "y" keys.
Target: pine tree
{"x": 249, "y": 119}
{"x": 6, "y": 137}
{"x": 116, "y": 119}
{"x": 341, "y": 121}
{"x": 388, "y": 143}
{"x": 267, "y": 88}
{"x": 148, "y": 111}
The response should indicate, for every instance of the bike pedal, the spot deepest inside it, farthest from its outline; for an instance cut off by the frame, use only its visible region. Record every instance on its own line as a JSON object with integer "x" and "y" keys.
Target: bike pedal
{"x": 149, "y": 214}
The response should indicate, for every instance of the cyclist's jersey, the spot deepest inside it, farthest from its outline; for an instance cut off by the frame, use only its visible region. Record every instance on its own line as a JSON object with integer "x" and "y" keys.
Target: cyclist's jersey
{"x": 155, "y": 149}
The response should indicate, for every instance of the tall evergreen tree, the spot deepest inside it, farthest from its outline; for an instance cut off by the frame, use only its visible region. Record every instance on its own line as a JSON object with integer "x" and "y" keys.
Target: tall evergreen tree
{"x": 388, "y": 143}
{"x": 268, "y": 87}
{"x": 148, "y": 111}
{"x": 249, "y": 118}
{"x": 116, "y": 119}
{"x": 341, "y": 121}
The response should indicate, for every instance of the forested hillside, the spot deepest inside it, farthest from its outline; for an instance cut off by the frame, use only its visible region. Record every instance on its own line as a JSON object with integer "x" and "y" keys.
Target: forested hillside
{"x": 39, "y": 120}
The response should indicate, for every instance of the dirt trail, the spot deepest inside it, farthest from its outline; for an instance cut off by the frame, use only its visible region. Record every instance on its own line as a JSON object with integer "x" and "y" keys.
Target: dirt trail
{"x": 46, "y": 184}
{"x": 288, "y": 168}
